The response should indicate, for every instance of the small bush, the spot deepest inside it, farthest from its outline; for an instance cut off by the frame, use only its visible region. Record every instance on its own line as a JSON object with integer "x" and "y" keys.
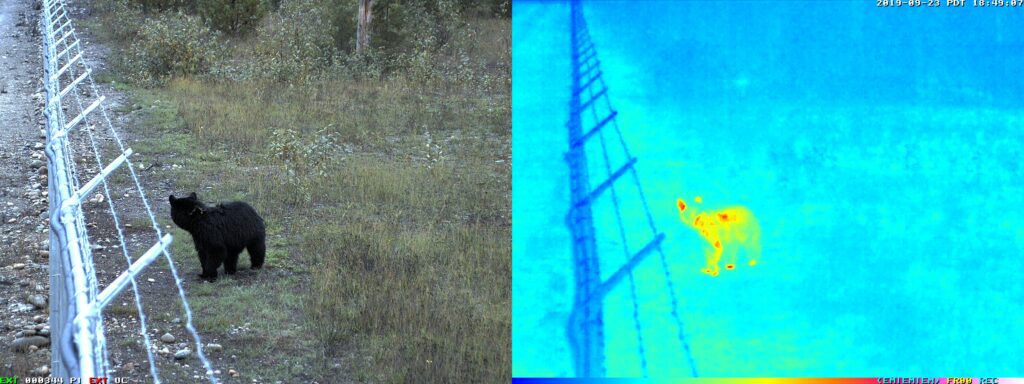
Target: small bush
{"x": 237, "y": 16}
{"x": 342, "y": 14}
{"x": 170, "y": 45}
{"x": 434, "y": 43}
{"x": 294, "y": 43}
{"x": 305, "y": 158}
{"x": 123, "y": 18}
{"x": 404, "y": 27}
{"x": 164, "y": 5}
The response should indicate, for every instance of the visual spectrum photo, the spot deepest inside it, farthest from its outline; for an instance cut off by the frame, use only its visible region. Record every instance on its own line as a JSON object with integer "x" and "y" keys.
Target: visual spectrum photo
{"x": 766, "y": 189}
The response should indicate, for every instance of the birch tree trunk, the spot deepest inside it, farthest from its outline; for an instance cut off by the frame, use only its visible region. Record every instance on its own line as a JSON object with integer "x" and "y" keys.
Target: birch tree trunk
{"x": 363, "y": 26}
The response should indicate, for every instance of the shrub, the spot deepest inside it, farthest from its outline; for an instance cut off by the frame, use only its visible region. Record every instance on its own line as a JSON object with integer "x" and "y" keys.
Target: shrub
{"x": 236, "y": 16}
{"x": 293, "y": 43}
{"x": 164, "y": 5}
{"x": 486, "y": 8}
{"x": 433, "y": 42}
{"x": 123, "y": 18}
{"x": 305, "y": 159}
{"x": 172, "y": 44}
{"x": 404, "y": 27}
{"x": 342, "y": 14}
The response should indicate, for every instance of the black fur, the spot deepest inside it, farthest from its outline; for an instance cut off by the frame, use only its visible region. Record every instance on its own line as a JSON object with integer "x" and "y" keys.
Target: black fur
{"x": 221, "y": 232}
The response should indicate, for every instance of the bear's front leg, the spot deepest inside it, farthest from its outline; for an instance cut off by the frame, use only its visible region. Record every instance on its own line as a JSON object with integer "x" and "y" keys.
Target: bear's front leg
{"x": 231, "y": 262}
{"x": 210, "y": 258}
{"x": 712, "y": 256}
{"x": 203, "y": 255}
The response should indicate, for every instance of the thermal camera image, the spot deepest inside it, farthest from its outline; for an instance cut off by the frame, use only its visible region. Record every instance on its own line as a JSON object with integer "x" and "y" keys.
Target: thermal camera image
{"x": 767, "y": 189}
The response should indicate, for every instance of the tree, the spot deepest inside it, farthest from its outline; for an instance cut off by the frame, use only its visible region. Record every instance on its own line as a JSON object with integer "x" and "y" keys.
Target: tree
{"x": 365, "y": 16}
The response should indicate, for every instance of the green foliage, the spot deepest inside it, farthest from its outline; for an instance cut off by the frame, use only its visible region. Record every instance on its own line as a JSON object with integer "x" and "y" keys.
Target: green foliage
{"x": 502, "y": 8}
{"x": 403, "y": 27}
{"x": 235, "y": 16}
{"x": 122, "y": 19}
{"x": 342, "y": 14}
{"x": 294, "y": 43}
{"x": 435, "y": 42}
{"x": 486, "y": 8}
{"x": 149, "y": 6}
{"x": 305, "y": 158}
{"x": 172, "y": 44}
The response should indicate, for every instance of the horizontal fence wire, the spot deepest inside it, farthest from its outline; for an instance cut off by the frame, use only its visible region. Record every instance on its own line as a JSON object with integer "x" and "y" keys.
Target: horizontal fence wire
{"x": 76, "y": 301}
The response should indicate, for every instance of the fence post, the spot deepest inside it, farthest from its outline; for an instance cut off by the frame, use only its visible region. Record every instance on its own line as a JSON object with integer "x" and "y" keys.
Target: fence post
{"x": 58, "y": 288}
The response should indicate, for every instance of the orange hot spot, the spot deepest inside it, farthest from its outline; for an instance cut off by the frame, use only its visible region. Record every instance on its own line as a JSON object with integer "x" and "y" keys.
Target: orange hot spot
{"x": 682, "y": 205}
{"x": 729, "y": 266}
{"x": 718, "y": 244}
{"x": 723, "y": 216}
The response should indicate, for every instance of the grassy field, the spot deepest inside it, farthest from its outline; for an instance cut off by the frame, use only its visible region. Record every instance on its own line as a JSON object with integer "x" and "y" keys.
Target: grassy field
{"x": 388, "y": 213}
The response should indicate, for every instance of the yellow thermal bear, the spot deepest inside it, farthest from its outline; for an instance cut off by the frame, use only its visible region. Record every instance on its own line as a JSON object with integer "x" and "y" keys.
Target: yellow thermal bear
{"x": 726, "y": 230}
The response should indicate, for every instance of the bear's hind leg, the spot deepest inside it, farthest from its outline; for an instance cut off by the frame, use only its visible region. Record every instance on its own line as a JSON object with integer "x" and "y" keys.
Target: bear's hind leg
{"x": 257, "y": 252}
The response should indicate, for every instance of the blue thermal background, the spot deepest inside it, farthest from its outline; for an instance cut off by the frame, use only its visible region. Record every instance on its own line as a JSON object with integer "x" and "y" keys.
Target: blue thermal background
{"x": 879, "y": 148}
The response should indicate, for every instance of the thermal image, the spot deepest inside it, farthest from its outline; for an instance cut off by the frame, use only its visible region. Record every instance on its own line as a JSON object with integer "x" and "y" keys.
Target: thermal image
{"x": 663, "y": 147}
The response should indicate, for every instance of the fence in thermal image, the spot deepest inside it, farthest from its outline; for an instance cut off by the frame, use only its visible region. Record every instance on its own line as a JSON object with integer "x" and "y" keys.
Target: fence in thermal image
{"x": 596, "y": 147}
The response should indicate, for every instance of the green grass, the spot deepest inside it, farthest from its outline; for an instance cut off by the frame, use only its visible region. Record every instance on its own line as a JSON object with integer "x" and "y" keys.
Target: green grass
{"x": 234, "y": 300}
{"x": 123, "y": 311}
{"x": 140, "y": 223}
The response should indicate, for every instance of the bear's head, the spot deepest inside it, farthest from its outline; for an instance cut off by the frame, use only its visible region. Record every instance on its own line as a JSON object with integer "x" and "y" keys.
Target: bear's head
{"x": 688, "y": 212}
{"x": 185, "y": 211}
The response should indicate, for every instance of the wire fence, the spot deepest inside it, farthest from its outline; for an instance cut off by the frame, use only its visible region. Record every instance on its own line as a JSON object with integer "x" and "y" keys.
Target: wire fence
{"x": 79, "y": 347}
{"x": 593, "y": 127}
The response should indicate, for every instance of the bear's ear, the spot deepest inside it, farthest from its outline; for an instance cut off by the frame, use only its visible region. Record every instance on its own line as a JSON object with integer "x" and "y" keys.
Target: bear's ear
{"x": 171, "y": 198}
{"x": 193, "y": 196}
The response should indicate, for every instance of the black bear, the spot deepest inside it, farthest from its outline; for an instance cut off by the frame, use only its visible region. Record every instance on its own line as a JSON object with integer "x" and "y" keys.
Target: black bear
{"x": 221, "y": 232}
